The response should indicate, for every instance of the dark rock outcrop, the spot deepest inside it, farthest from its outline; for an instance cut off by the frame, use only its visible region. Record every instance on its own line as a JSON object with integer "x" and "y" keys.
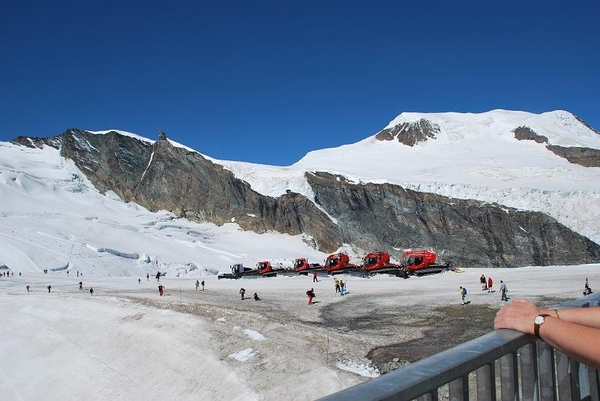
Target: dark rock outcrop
{"x": 524, "y": 133}
{"x": 585, "y": 157}
{"x": 410, "y": 133}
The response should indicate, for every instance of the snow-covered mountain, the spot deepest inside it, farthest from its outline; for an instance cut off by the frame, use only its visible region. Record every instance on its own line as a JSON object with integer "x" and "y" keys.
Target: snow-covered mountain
{"x": 473, "y": 156}
{"x": 53, "y": 217}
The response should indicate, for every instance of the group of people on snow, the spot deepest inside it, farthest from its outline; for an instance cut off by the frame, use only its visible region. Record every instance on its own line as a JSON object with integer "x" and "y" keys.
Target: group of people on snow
{"x": 486, "y": 285}
{"x": 340, "y": 286}
{"x": 243, "y": 294}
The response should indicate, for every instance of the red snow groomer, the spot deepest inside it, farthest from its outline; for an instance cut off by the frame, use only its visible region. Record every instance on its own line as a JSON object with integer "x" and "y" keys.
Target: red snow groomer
{"x": 265, "y": 269}
{"x": 301, "y": 266}
{"x": 420, "y": 262}
{"x": 378, "y": 262}
{"x": 338, "y": 263}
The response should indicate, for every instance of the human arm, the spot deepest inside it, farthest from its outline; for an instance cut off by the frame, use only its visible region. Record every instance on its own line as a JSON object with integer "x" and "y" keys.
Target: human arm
{"x": 585, "y": 316}
{"x": 572, "y": 337}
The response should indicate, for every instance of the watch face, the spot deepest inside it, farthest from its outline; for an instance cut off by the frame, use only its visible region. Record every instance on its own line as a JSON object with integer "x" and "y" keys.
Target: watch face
{"x": 539, "y": 319}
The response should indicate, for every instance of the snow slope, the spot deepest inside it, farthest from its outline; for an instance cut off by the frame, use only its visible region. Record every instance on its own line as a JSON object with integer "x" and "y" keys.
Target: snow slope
{"x": 53, "y": 218}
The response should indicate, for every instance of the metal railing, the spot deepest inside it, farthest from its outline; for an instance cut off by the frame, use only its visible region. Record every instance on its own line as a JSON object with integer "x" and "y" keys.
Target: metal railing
{"x": 502, "y": 365}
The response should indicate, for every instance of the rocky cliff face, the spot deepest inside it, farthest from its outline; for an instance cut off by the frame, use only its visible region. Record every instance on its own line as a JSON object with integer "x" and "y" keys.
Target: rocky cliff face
{"x": 164, "y": 177}
{"x": 160, "y": 176}
{"x": 470, "y": 233}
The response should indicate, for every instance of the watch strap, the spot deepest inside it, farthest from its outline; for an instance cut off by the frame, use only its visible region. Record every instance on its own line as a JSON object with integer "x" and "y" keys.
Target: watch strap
{"x": 536, "y": 327}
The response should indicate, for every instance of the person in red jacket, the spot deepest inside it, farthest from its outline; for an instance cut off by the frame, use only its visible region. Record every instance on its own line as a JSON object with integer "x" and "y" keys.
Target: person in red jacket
{"x": 490, "y": 282}
{"x": 311, "y": 294}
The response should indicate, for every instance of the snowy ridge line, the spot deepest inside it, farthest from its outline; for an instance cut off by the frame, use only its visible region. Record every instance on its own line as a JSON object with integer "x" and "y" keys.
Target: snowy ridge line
{"x": 552, "y": 124}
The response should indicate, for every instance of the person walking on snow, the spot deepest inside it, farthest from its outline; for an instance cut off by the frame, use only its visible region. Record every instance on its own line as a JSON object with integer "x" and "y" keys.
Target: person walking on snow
{"x": 315, "y": 279}
{"x": 147, "y": 276}
{"x": 342, "y": 287}
{"x": 161, "y": 290}
{"x": 49, "y": 288}
{"x": 202, "y": 284}
{"x": 197, "y": 285}
{"x": 490, "y": 282}
{"x": 503, "y": 291}
{"x": 463, "y": 294}
{"x": 311, "y": 294}
{"x": 336, "y": 282}
{"x": 91, "y": 291}
{"x": 483, "y": 282}
{"x": 586, "y": 288}
{"x": 242, "y": 292}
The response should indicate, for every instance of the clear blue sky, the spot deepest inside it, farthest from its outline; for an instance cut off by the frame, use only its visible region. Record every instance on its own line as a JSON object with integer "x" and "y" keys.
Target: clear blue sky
{"x": 268, "y": 81}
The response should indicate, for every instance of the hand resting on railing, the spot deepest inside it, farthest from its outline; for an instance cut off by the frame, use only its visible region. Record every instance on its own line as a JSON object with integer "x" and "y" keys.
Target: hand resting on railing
{"x": 574, "y": 331}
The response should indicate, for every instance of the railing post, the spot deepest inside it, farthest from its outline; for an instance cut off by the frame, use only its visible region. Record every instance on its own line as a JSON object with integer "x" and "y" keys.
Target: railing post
{"x": 486, "y": 383}
{"x": 563, "y": 378}
{"x": 459, "y": 389}
{"x": 586, "y": 383}
{"x": 547, "y": 378}
{"x": 428, "y": 397}
{"x": 508, "y": 377}
{"x": 594, "y": 384}
{"x": 528, "y": 373}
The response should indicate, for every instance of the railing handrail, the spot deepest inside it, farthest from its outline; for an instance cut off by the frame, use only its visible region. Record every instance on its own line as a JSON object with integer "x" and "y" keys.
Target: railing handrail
{"x": 437, "y": 370}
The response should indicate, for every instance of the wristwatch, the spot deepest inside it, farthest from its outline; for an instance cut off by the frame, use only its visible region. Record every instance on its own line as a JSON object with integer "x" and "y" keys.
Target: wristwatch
{"x": 537, "y": 323}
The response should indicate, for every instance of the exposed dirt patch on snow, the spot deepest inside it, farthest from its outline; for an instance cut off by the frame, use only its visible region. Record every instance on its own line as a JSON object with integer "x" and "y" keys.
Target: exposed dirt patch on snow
{"x": 382, "y": 332}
